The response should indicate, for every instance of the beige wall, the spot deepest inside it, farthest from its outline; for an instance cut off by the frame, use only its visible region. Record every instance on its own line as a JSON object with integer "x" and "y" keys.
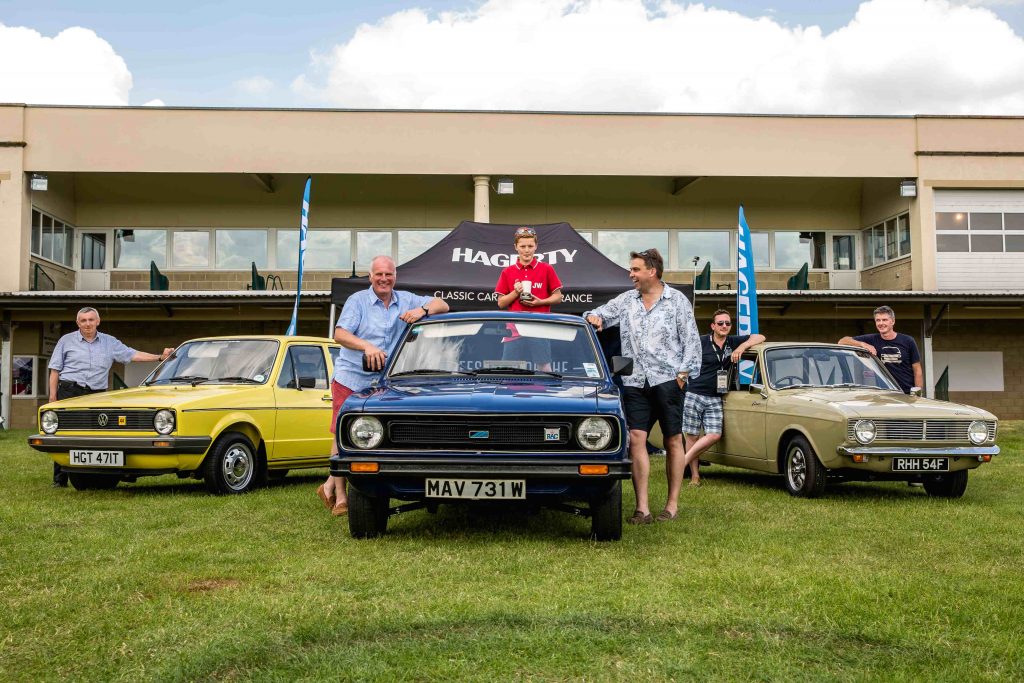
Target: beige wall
{"x": 63, "y": 278}
{"x": 263, "y": 141}
{"x": 894, "y": 276}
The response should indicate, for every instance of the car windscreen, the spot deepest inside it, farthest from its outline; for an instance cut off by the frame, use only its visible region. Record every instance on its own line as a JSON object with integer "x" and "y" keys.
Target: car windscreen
{"x": 824, "y": 367}
{"x": 483, "y": 347}
{"x": 219, "y": 361}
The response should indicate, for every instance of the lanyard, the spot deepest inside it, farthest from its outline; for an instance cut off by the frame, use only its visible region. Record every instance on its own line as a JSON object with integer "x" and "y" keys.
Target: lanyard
{"x": 726, "y": 351}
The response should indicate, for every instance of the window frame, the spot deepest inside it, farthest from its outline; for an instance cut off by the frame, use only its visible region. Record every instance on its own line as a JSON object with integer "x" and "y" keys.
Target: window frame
{"x": 68, "y": 235}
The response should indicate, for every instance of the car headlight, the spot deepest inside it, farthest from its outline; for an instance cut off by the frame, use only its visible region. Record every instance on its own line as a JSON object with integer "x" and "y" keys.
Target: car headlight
{"x": 977, "y": 432}
{"x": 864, "y": 430}
{"x": 48, "y": 421}
{"x": 594, "y": 433}
{"x": 366, "y": 432}
{"x": 163, "y": 421}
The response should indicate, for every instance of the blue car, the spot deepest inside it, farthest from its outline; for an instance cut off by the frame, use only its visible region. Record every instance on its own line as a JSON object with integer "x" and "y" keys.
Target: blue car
{"x": 492, "y": 407}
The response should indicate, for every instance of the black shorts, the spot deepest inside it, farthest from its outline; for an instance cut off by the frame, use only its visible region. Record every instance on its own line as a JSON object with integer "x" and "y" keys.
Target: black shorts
{"x": 662, "y": 402}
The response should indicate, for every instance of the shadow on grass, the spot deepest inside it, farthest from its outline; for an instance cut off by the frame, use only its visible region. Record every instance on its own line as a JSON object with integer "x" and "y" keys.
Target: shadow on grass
{"x": 838, "y": 489}
{"x": 167, "y": 484}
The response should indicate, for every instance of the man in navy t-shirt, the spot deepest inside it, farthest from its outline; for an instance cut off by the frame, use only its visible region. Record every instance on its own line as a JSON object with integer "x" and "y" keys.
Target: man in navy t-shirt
{"x": 896, "y": 350}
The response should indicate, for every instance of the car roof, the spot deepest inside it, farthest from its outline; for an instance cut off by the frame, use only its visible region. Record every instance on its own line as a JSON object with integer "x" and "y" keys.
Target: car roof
{"x": 507, "y": 315}
{"x": 764, "y": 346}
{"x": 269, "y": 337}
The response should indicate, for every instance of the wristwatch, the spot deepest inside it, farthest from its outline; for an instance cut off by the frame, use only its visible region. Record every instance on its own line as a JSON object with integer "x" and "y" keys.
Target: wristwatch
{"x": 681, "y": 376}
{"x": 426, "y": 311}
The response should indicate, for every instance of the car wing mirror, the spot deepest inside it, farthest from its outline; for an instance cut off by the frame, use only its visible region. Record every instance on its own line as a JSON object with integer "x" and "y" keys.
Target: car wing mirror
{"x": 307, "y": 382}
{"x": 759, "y": 388}
{"x": 622, "y": 365}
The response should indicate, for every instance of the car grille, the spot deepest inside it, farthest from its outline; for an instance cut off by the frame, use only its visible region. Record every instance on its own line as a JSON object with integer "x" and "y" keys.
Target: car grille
{"x": 500, "y": 433}
{"x": 921, "y": 430}
{"x": 89, "y": 420}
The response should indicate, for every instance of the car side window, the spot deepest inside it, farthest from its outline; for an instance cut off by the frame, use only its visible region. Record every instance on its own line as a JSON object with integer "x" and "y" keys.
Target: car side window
{"x": 335, "y": 351}
{"x": 303, "y": 362}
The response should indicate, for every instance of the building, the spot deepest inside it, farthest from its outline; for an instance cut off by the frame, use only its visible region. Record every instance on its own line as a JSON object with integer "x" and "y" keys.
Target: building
{"x": 923, "y": 213}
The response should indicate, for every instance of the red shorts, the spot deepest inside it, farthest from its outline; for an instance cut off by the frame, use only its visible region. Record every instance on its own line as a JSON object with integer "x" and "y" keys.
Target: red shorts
{"x": 339, "y": 393}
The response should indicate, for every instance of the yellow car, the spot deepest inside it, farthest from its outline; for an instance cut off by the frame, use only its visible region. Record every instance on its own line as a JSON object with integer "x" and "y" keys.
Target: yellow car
{"x": 231, "y": 411}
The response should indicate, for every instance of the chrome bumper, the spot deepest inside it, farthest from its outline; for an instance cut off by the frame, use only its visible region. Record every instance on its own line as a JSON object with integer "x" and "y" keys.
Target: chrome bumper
{"x": 913, "y": 451}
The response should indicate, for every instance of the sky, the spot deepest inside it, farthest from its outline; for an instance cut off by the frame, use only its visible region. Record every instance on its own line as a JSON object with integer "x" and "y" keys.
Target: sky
{"x": 719, "y": 56}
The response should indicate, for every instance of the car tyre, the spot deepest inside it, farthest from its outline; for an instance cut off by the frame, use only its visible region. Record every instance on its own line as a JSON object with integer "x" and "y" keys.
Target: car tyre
{"x": 232, "y": 466}
{"x": 804, "y": 474}
{"x": 93, "y": 482}
{"x": 367, "y": 515}
{"x": 949, "y": 485}
{"x": 606, "y": 515}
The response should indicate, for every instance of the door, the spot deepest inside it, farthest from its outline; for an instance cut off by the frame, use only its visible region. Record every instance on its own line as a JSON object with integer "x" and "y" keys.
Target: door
{"x": 743, "y": 437}
{"x": 843, "y": 273}
{"x": 93, "y": 274}
{"x": 302, "y": 435}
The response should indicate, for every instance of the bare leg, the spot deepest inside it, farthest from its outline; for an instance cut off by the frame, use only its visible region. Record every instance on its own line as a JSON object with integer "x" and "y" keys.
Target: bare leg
{"x": 336, "y": 485}
{"x": 694, "y": 452}
{"x": 674, "y": 470}
{"x": 641, "y": 468}
{"x": 688, "y": 441}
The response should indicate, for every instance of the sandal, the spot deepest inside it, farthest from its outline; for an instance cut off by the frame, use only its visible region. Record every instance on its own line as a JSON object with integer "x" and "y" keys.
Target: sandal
{"x": 640, "y": 518}
{"x": 329, "y": 501}
{"x": 666, "y": 516}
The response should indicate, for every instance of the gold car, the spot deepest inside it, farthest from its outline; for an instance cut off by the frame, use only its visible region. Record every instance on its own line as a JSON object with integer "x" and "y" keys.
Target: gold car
{"x": 232, "y": 411}
{"x": 819, "y": 413}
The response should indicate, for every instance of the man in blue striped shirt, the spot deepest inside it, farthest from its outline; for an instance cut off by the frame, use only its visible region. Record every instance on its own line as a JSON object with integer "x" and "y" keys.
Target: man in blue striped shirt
{"x": 81, "y": 362}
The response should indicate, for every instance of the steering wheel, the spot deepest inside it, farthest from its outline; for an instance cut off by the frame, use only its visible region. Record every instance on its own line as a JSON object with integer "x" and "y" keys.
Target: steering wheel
{"x": 793, "y": 379}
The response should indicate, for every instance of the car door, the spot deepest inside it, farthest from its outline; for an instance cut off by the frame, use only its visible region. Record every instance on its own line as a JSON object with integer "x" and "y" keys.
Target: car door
{"x": 302, "y": 434}
{"x": 743, "y": 427}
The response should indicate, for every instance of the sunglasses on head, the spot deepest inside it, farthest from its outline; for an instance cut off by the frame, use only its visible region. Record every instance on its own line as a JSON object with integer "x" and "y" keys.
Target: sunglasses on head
{"x": 526, "y": 232}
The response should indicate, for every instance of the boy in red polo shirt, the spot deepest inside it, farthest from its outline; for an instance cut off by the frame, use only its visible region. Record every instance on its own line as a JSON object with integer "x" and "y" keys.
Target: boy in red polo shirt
{"x": 529, "y": 284}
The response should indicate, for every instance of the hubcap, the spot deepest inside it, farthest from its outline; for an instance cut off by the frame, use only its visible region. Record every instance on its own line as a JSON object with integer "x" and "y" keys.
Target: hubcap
{"x": 238, "y": 466}
{"x": 797, "y": 470}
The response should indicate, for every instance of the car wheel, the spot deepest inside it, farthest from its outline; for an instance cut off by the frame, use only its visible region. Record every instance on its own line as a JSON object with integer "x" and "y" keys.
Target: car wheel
{"x": 804, "y": 473}
{"x": 277, "y": 475}
{"x": 606, "y": 515}
{"x": 93, "y": 482}
{"x": 232, "y": 465}
{"x": 950, "y": 485}
{"x": 367, "y": 515}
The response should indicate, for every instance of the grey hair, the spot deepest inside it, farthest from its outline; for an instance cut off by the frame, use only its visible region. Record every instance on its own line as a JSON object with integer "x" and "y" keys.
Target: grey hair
{"x": 87, "y": 309}
{"x": 885, "y": 310}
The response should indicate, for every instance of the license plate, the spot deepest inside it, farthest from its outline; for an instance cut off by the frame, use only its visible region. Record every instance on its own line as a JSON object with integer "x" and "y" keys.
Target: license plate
{"x": 920, "y": 464}
{"x": 98, "y": 458}
{"x": 476, "y": 489}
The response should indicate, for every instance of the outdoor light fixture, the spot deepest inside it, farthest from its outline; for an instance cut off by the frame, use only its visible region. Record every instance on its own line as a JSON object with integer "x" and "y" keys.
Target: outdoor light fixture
{"x": 505, "y": 186}
{"x": 908, "y": 188}
{"x": 38, "y": 182}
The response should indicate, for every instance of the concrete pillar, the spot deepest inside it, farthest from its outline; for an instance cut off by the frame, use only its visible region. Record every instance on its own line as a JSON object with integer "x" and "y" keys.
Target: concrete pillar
{"x": 482, "y": 198}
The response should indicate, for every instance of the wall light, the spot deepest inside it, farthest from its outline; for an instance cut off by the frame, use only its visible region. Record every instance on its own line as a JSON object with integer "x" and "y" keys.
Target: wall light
{"x": 38, "y": 182}
{"x": 505, "y": 186}
{"x": 908, "y": 188}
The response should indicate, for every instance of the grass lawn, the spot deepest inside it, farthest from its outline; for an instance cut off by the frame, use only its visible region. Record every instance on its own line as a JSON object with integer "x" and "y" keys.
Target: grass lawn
{"x": 160, "y": 581}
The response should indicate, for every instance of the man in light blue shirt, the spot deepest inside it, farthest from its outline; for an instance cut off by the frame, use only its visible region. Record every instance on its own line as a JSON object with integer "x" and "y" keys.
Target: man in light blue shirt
{"x": 81, "y": 362}
{"x": 659, "y": 333}
{"x": 370, "y": 325}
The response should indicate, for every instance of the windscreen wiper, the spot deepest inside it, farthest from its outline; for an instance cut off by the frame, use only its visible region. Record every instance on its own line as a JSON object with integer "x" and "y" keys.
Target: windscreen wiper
{"x": 407, "y": 373}
{"x": 516, "y": 371}
{"x": 236, "y": 379}
{"x": 800, "y": 386}
{"x": 194, "y": 379}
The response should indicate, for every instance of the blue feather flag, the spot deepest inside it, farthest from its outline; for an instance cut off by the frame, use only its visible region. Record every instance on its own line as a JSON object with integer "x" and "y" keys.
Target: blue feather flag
{"x": 746, "y": 292}
{"x": 303, "y": 227}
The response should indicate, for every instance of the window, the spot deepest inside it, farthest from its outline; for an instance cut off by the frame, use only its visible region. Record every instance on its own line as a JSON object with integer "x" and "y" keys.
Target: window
{"x": 306, "y": 362}
{"x": 886, "y": 241}
{"x": 238, "y": 249}
{"x": 617, "y": 244}
{"x": 762, "y": 251}
{"x": 794, "y": 249}
{"x": 52, "y": 239}
{"x": 706, "y": 245}
{"x": 370, "y": 245}
{"x": 28, "y": 377}
{"x": 979, "y": 232}
{"x": 843, "y": 252}
{"x": 412, "y": 243}
{"x": 191, "y": 248}
{"x": 136, "y": 248}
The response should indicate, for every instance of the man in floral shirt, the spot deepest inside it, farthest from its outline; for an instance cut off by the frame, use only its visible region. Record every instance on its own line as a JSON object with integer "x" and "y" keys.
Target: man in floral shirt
{"x": 659, "y": 333}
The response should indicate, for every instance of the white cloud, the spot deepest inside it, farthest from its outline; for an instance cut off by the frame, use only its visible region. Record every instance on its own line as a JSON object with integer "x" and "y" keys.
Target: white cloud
{"x": 74, "y": 67}
{"x": 893, "y": 57}
{"x": 155, "y": 103}
{"x": 257, "y": 85}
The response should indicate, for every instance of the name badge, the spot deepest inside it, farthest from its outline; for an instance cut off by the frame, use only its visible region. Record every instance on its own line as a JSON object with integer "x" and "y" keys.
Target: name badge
{"x": 723, "y": 381}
